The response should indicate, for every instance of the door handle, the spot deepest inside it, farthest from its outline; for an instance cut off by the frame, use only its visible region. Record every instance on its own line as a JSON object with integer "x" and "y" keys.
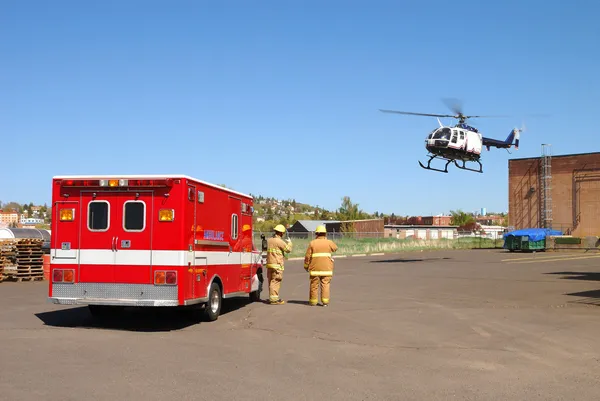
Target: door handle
{"x": 112, "y": 244}
{"x": 116, "y": 242}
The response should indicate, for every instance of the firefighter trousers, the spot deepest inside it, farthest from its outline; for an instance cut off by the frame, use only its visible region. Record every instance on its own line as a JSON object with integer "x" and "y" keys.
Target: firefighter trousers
{"x": 315, "y": 282}
{"x": 274, "y": 276}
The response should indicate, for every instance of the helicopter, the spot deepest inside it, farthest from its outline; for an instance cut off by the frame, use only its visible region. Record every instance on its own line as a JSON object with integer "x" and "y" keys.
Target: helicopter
{"x": 460, "y": 143}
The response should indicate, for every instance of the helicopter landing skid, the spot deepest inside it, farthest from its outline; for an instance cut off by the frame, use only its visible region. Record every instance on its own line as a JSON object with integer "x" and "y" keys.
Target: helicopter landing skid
{"x": 464, "y": 167}
{"x": 445, "y": 170}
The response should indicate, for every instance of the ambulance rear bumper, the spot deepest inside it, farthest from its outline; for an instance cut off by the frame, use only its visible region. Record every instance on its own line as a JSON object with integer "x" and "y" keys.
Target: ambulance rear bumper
{"x": 114, "y": 294}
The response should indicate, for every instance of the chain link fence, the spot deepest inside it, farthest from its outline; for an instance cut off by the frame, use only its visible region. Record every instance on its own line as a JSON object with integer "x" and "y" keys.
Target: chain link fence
{"x": 377, "y": 242}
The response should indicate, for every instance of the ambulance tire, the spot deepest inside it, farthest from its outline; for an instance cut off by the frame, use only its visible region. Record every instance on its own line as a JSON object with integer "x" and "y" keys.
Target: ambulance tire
{"x": 213, "y": 306}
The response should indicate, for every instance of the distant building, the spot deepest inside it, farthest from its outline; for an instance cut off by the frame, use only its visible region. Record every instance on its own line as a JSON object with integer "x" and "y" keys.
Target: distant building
{"x": 493, "y": 232}
{"x": 490, "y": 220}
{"x": 359, "y": 228}
{"x": 31, "y": 220}
{"x": 403, "y": 231}
{"x": 306, "y": 228}
{"x": 9, "y": 217}
{"x": 439, "y": 220}
{"x": 367, "y": 228}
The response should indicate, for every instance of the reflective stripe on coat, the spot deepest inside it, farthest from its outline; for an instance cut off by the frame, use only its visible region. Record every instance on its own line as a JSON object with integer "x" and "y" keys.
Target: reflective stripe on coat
{"x": 318, "y": 260}
{"x": 276, "y": 250}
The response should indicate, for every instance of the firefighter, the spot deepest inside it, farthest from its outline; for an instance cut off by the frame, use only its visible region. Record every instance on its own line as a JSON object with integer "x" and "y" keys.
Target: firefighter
{"x": 276, "y": 250}
{"x": 318, "y": 262}
{"x": 245, "y": 243}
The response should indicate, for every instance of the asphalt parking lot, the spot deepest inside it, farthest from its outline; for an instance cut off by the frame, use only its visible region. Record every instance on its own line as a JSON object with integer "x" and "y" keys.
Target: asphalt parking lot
{"x": 461, "y": 325}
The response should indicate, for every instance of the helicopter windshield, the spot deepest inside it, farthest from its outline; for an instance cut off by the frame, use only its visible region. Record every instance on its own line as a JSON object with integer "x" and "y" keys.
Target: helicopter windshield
{"x": 442, "y": 133}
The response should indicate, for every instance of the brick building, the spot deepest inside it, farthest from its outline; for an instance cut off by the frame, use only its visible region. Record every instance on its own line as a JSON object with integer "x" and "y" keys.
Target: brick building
{"x": 566, "y": 198}
{"x": 439, "y": 220}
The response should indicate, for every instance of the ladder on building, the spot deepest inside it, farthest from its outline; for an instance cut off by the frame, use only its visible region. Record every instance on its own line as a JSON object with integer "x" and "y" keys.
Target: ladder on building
{"x": 546, "y": 186}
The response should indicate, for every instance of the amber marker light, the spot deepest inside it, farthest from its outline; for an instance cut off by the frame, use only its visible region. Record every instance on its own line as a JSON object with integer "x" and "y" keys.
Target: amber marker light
{"x": 67, "y": 214}
{"x": 166, "y": 215}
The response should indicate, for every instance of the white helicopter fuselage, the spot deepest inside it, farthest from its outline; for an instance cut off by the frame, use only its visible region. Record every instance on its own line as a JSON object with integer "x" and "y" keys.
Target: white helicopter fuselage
{"x": 454, "y": 143}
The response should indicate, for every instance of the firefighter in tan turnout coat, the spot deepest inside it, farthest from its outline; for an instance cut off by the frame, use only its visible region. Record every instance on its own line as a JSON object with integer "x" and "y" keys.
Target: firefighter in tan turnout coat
{"x": 276, "y": 250}
{"x": 318, "y": 262}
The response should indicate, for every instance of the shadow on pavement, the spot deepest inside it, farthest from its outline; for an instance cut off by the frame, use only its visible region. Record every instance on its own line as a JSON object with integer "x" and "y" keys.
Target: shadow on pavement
{"x": 587, "y": 276}
{"x": 298, "y": 302}
{"x": 589, "y": 297}
{"x": 149, "y": 319}
{"x": 401, "y": 260}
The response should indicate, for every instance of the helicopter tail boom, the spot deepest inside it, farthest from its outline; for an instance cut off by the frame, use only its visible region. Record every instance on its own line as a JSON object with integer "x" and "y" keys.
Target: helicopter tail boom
{"x": 507, "y": 143}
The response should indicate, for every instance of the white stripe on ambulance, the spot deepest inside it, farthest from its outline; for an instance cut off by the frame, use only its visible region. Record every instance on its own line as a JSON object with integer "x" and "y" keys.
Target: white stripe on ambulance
{"x": 156, "y": 257}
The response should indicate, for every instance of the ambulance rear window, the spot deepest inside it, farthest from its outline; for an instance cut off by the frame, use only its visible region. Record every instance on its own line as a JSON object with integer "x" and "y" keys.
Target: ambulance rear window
{"x": 98, "y": 216}
{"x": 134, "y": 216}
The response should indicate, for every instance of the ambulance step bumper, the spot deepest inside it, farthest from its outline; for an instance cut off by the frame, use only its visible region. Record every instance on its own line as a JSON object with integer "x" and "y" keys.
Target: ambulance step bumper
{"x": 113, "y": 294}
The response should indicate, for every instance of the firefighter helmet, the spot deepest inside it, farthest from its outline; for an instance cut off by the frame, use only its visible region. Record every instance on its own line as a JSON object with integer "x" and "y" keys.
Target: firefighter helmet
{"x": 246, "y": 228}
{"x": 279, "y": 228}
{"x": 321, "y": 229}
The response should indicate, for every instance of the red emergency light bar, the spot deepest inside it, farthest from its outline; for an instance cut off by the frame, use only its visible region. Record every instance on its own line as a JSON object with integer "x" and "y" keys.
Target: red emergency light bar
{"x": 116, "y": 183}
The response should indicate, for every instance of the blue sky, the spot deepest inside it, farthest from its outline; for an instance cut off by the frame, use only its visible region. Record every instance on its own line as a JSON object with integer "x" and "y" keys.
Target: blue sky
{"x": 282, "y": 99}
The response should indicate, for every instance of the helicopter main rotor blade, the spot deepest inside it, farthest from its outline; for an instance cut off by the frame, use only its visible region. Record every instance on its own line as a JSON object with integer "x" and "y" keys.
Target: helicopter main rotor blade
{"x": 416, "y": 114}
{"x": 453, "y": 104}
{"x": 495, "y": 116}
{"x": 456, "y": 105}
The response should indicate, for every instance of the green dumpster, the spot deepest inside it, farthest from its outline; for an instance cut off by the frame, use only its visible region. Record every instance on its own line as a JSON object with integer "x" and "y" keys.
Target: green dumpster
{"x": 529, "y": 239}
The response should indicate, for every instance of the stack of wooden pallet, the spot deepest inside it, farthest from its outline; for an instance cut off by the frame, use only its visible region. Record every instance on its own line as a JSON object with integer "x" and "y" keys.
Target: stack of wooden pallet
{"x": 24, "y": 259}
{"x": 8, "y": 258}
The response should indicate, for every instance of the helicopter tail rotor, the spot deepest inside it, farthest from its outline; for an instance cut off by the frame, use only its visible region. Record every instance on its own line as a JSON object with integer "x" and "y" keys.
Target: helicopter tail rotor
{"x": 518, "y": 134}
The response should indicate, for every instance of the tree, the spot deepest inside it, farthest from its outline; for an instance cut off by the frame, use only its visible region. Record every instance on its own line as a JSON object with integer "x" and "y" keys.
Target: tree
{"x": 349, "y": 211}
{"x": 460, "y": 218}
{"x": 325, "y": 215}
{"x": 471, "y": 227}
{"x": 10, "y": 206}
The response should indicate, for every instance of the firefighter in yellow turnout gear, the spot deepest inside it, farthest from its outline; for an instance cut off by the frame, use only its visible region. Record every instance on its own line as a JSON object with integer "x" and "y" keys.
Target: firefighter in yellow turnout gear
{"x": 276, "y": 250}
{"x": 318, "y": 262}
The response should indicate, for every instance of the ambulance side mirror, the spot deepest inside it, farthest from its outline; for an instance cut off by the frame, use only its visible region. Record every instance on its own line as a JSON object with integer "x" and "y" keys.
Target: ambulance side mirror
{"x": 264, "y": 242}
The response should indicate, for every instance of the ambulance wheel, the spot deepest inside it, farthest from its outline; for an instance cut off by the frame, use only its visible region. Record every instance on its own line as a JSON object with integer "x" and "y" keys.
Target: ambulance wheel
{"x": 213, "y": 306}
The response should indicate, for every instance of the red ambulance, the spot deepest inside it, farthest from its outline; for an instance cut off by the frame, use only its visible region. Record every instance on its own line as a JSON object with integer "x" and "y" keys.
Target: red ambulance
{"x": 146, "y": 240}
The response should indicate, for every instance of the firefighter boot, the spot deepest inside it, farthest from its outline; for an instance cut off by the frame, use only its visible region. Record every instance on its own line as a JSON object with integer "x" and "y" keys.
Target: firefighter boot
{"x": 325, "y": 290}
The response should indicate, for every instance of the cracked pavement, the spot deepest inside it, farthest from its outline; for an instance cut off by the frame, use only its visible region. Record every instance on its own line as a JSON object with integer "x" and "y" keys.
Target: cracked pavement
{"x": 465, "y": 325}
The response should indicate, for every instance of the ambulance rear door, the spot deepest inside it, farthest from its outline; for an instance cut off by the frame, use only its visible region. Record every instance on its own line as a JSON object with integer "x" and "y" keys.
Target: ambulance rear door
{"x": 133, "y": 241}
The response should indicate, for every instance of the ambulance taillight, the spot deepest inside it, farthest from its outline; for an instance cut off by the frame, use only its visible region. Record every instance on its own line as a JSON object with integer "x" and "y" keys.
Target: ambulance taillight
{"x": 162, "y": 277}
